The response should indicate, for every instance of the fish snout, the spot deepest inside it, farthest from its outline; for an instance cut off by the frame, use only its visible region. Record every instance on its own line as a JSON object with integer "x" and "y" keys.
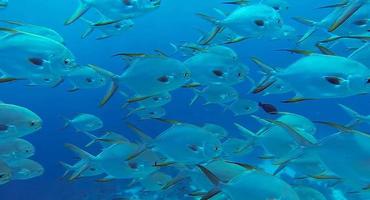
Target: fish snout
{"x": 36, "y": 124}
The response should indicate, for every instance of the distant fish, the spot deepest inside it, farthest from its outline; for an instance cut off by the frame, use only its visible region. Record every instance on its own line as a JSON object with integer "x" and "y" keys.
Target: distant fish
{"x": 85, "y": 122}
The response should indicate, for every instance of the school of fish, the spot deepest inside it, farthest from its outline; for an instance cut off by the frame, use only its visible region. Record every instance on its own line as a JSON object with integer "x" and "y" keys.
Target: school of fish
{"x": 202, "y": 161}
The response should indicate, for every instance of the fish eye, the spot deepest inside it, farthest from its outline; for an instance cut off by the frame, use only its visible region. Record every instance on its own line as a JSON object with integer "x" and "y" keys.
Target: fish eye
{"x": 67, "y": 61}
{"x": 276, "y": 7}
{"x": 368, "y": 81}
{"x": 32, "y": 123}
{"x": 187, "y": 75}
{"x": 259, "y": 22}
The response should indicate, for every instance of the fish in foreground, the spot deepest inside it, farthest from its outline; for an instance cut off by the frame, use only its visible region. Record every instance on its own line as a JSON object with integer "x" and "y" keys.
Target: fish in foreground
{"x": 17, "y": 121}
{"x": 322, "y": 76}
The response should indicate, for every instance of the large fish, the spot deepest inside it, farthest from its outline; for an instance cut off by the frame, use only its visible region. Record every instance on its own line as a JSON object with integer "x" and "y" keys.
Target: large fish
{"x": 27, "y": 53}
{"x": 251, "y": 182}
{"x": 322, "y": 76}
{"x": 198, "y": 146}
{"x": 255, "y": 20}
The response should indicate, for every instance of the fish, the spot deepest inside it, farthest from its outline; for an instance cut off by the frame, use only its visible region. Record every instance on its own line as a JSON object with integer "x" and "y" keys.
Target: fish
{"x": 243, "y": 107}
{"x": 86, "y": 78}
{"x": 84, "y": 122}
{"x": 148, "y": 112}
{"x": 108, "y": 28}
{"x": 350, "y": 77}
{"x": 219, "y": 65}
{"x": 344, "y": 19}
{"x": 18, "y": 121}
{"x": 150, "y": 101}
{"x": 118, "y": 161}
{"x": 39, "y": 55}
{"x": 254, "y": 20}
{"x": 15, "y": 148}
{"x": 173, "y": 71}
{"x": 353, "y": 151}
{"x": 219, "y": 131}
{"x": 106, "y": 140}
{"x": 278, "y": 141}
{"x": 114, "y": 9}
{"x": 190, "y": 149}
{"x": 35, "y": 29}
{"x": 24, "y": 169}
{"x": 236, "y": 187}
{"x": 356, "y": 117}
{"x": 216, "y": 94}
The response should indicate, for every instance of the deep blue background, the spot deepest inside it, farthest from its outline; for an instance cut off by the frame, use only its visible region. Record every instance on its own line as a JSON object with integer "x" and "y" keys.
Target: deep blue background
{"x": 175, "y": 21}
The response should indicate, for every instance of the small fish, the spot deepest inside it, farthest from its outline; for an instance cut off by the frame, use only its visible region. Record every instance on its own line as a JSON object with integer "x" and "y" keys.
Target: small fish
{"x": 84, "y": 122}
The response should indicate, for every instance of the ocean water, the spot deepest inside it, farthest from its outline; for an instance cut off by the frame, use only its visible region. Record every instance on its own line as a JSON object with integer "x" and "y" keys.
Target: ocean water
{"x": 173, "y": 22}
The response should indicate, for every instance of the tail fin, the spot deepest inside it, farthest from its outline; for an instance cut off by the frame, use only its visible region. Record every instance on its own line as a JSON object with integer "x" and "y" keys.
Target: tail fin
{"x": 213, "y": 179}
{"x": 237, "y": 2}
{"x": 196, "y": 97}
{"x": 88, "y": 31}
{"x": 90, "y": 28}
{"x": 81, "y": 153}
{"x": 307, "y": 22}
{"x": 67, "y": 167}
{"x": 66, "y": 122}
{"x": 356, "y": 117}
{"x": 246, "y": 132}
{"x": 92, "y": 137}
{"x": 348, "y": 13}
{"x": 268, "y": 79}
{"x": 304, "y": 21}
{"x": 81, "y": 10}
{"x": 141, "y": 134}
{"x": 113, "y": 87}
{"x": 86, "y": 158}
{"x": 209, "y": 18}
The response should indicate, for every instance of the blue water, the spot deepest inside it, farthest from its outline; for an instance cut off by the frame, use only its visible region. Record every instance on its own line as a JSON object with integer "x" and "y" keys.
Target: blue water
{"x": 174, "y": 21}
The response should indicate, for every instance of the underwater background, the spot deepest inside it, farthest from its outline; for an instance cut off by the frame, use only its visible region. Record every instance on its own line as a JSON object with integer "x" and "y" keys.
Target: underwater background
{"x": 173, "y": 22}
